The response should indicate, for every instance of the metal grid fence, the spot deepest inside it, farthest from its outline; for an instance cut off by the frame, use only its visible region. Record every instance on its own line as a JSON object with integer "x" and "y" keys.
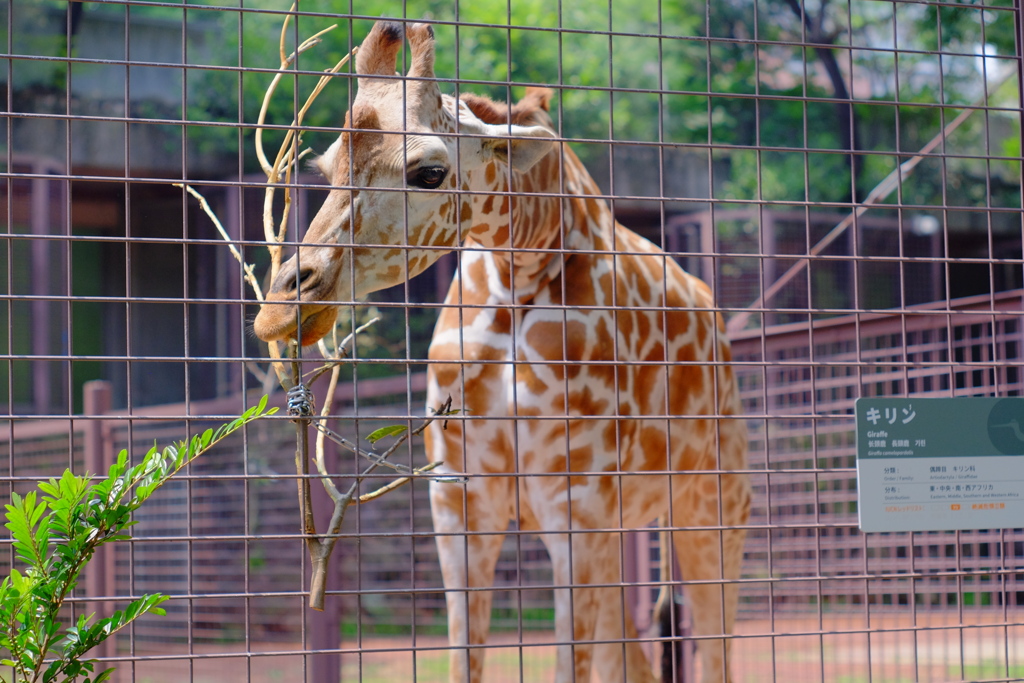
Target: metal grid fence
{"x": 846, "y": 176}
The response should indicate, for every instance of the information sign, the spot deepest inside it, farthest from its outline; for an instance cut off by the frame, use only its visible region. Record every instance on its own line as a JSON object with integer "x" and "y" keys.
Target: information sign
{"x": 936, "y": 464}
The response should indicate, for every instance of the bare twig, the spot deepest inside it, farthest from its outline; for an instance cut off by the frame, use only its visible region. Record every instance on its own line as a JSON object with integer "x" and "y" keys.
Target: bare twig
{"x": 376, "y": 458}
{"x": 287, "y": 153}
{"x": 322, "y": 547}
{"x": 285, "y": 160}
{"x": 286, "y": 62}
{"x": 387, "y": 488}
{"x": 339, "y": 350}
{"x": 320, "y": 460}
{"x": 250, "y": 277}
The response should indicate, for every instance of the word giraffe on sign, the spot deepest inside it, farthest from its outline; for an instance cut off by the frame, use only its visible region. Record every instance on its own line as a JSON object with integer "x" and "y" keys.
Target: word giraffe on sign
{"x": 592, "y": 371}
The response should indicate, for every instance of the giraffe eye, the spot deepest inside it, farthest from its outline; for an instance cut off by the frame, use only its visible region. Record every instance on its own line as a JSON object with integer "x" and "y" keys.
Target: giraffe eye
{"x": 428, "y": 177}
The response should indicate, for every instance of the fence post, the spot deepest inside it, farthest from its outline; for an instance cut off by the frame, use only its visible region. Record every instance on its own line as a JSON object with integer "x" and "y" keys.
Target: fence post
{"x": 98, "y": 456}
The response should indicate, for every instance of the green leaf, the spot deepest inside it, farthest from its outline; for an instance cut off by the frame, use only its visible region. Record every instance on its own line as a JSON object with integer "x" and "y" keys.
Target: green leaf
{"x": 392, "y": 430}
{"x": 29, "y": 529}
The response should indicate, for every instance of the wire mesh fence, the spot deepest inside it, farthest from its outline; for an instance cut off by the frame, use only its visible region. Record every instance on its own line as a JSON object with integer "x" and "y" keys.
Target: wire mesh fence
{"x": 844, "y": 176}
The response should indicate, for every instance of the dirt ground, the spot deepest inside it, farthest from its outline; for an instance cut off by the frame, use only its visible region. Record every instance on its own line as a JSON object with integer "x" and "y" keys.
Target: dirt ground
{"x": 940, "y": 648}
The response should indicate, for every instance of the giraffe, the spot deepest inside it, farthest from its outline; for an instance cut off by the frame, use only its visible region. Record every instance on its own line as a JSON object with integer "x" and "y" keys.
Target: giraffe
{"x": 592, "y": 370}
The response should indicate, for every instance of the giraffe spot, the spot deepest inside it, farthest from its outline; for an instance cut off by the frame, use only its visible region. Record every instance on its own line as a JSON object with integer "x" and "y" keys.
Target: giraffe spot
{"x": 477, "y": 271}
{"x": 555, "y": 341}
{"x": 622, "y": 297}
{"x": 501, "y": 452}
{"x": 478, "y": 392}
{"x": 466, "y": 214}
{"x": 581, "y": 459}
{"x": 709, "y": 486}
{"x": 699, "y": 541}
{"x": 608, "y": 489}
{"x": 686, "y": 380}
{"x": 612, "y": 435}
{"x": 555, "y": 436}
{"x": 501, "y": 235}
{"x": 445, "y": 375}
{"x": 579, "y": 279}
{"x": 604, "y": 373}
{"x": 581, "y": 575}
{"x": 656, "y": 353}
{"x": 584, "y": 402}
{"x": 625, "y": 378}
{"x": 527, "y": 520}
{"x": 677, "y": 322}
{"x": 621, "y": 438}
{"x": 643, "y": 324}
{"x": 604, "y": 343}
{"x": 501, "y": 322}
{"x": 503, "y": 209}
{"x": 491, "y": 173}
{"x": 526, "y": 375}
{"x": 655, "y": 453}
{"x": 527, "y": 460}
{"x": 694, "y": 458}
{"x": 450, "y": 505}
{"x": 648, "y": 377}
{"x": 702, "y": 332}
{"x": 640, "y": 280}
{"x": 654, "y": 446}
{"x": 488, "y": 206}
{"x": 446, "y": 208}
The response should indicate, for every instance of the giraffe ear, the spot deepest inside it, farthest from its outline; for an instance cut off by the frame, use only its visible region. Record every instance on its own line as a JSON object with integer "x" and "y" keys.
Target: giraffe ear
{"x": 519, "y": 146}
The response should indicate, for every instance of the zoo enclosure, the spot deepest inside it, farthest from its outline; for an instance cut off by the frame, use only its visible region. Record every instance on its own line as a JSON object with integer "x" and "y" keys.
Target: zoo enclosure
{"x": 119, "y": 277}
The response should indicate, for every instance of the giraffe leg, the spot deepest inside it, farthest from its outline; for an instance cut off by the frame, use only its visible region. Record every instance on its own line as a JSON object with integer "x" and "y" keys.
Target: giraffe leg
{"x": 625, "y": 661}
{"x": 468, "y": 562}
{"x": 711, "y": 555}
{"x": 618, "y": 656}
{"x": 581, "y": 560}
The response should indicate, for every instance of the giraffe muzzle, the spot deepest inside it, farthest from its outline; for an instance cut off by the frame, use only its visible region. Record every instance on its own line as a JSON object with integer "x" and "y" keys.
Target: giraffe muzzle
{"x": 307, "y": 323}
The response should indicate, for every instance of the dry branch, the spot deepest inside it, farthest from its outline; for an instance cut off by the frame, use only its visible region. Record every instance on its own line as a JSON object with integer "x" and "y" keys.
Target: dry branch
{"x": 320, "y": 545}
{"x": 289, "y": 375}
{"x": 247, "y": 268}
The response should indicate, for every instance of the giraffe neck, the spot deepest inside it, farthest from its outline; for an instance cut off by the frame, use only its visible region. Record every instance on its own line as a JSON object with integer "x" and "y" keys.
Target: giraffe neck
{"x": 551, "y": 212}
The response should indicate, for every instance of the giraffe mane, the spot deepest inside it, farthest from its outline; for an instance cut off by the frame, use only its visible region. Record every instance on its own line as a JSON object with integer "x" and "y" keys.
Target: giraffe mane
{"x": 531, "y": 110}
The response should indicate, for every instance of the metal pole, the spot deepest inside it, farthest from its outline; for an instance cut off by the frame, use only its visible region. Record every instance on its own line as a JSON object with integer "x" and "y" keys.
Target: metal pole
{"x": 98, "y": 456}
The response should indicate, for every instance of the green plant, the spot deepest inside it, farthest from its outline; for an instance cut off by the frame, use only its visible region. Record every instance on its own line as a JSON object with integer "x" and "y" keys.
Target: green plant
{"x": 57, "y": 533}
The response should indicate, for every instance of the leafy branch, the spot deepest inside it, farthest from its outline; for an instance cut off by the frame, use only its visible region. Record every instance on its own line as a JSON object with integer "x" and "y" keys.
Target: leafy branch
{"x": 57, "y": 533}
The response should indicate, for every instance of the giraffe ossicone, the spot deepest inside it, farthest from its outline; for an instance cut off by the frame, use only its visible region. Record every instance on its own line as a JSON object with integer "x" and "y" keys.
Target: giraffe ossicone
{"x": 592, "y": 372}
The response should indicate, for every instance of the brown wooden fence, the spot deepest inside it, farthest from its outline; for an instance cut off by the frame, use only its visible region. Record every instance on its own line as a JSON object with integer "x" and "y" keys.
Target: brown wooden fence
{"x": 223, "y": 539}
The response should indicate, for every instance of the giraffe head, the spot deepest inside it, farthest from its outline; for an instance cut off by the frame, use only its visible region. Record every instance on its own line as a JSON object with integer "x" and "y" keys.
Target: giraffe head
{"x": 396, "y": 171}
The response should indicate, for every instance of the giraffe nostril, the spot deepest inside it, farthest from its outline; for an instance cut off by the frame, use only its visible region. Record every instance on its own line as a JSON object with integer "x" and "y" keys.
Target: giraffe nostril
{"x": 304, "y": 279}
